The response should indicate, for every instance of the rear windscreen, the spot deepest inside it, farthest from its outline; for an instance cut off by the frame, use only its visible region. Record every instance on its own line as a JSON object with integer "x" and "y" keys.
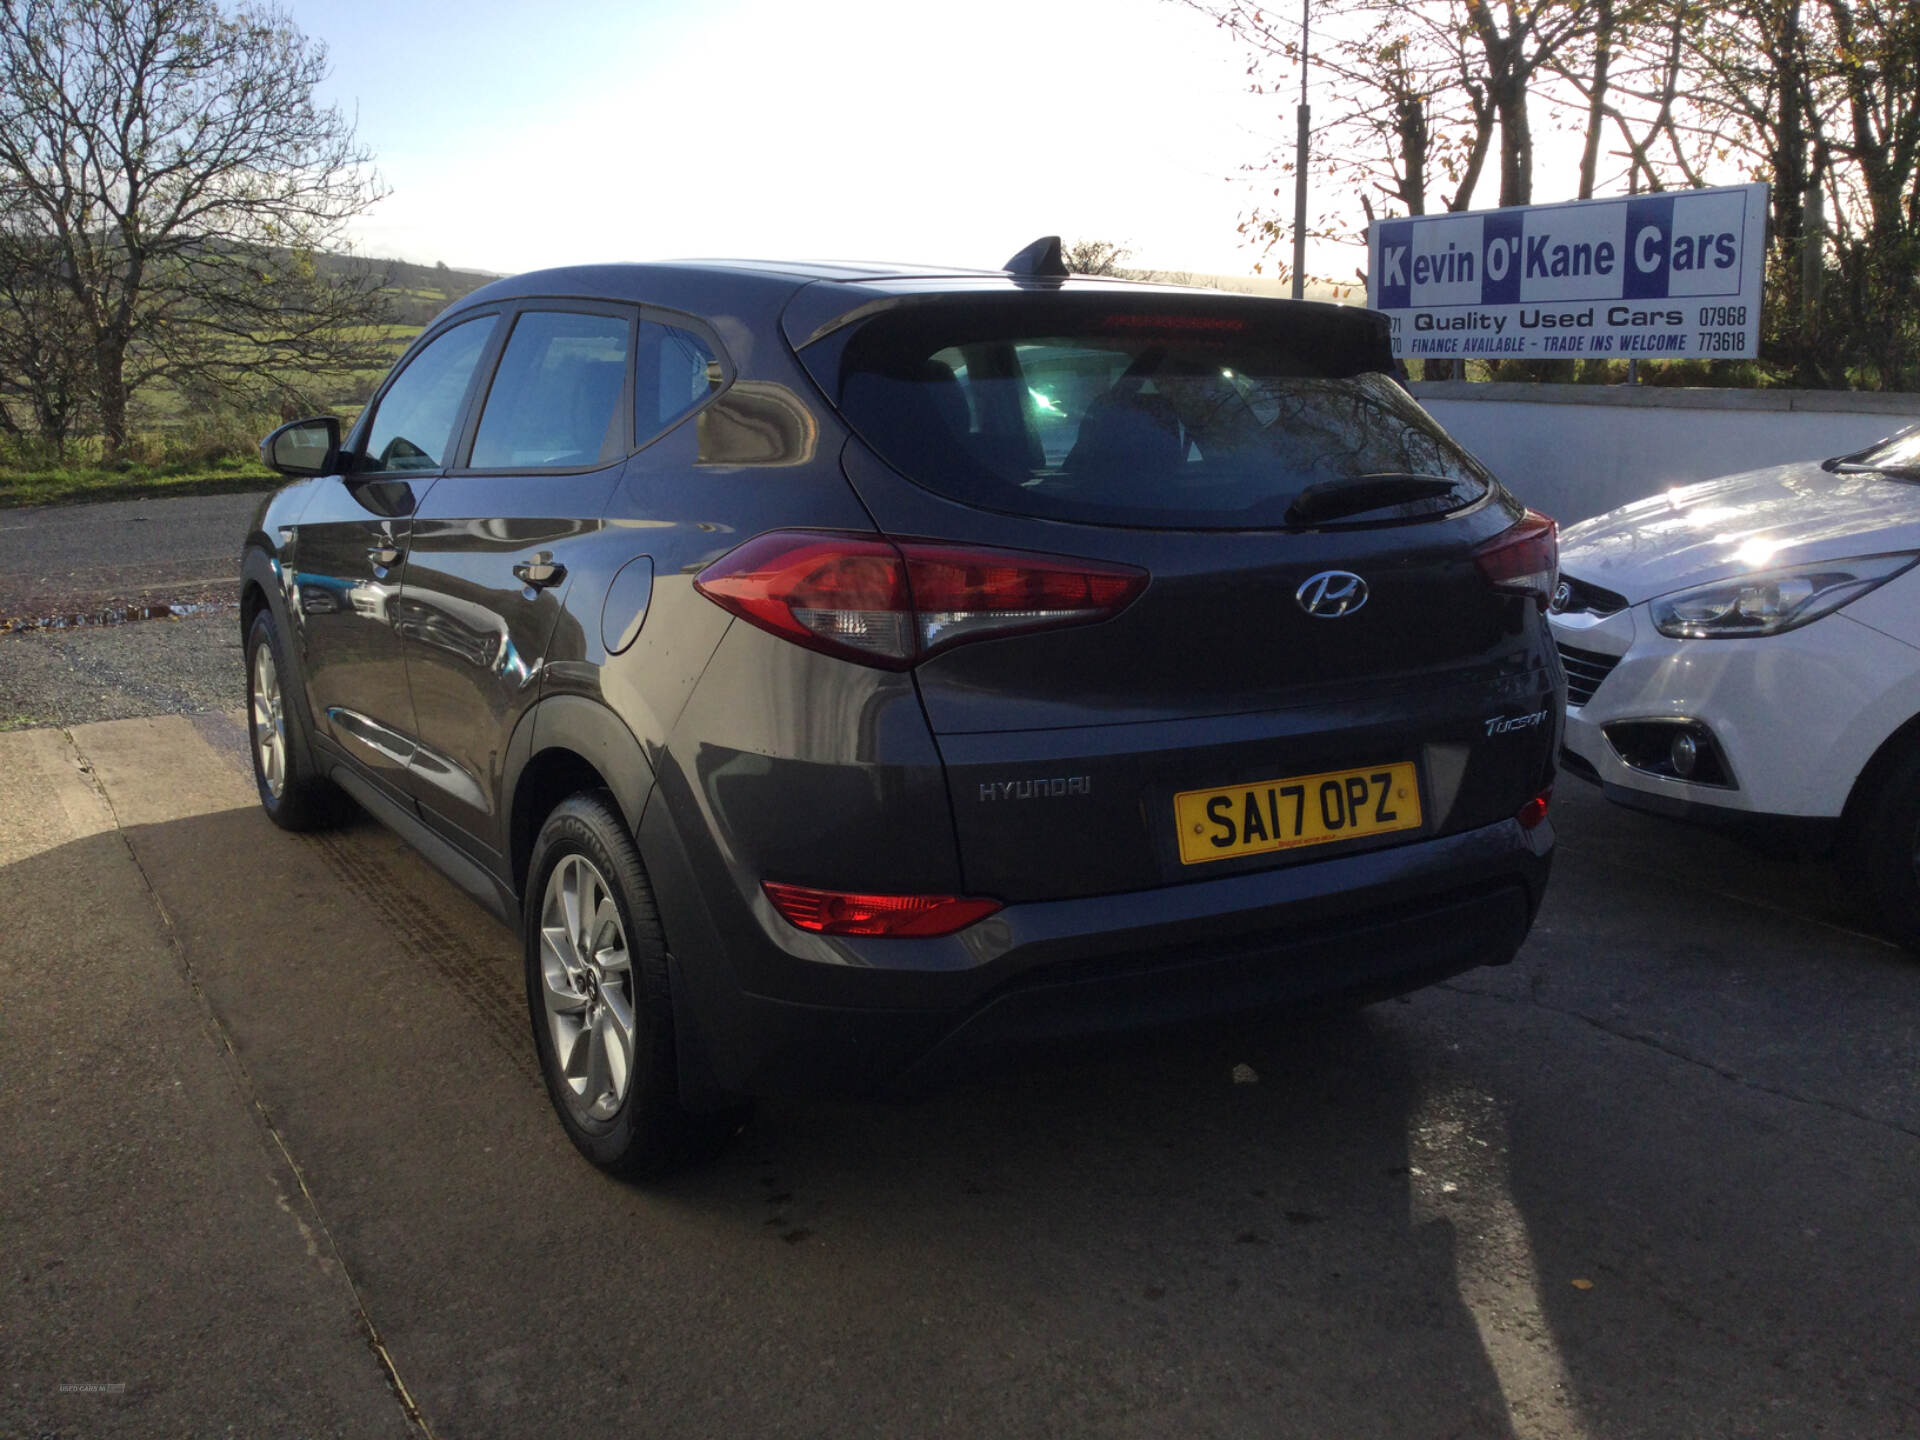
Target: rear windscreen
{"x": 1199, "y": 421}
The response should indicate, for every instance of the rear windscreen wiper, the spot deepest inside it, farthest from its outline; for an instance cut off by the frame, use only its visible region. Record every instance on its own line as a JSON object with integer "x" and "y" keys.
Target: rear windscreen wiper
{"x": 1857, "y": 467}
{"x": 1344, "y": 499}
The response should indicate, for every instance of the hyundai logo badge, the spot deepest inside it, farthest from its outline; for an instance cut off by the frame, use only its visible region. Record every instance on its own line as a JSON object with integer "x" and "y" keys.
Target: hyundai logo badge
{"x": 1331, "y": 594}
{"x": 1562, "y": 595}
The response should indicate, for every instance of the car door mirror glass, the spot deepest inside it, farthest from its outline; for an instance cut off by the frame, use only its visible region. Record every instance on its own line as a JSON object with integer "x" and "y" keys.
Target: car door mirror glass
{"x": 303, "y": 447}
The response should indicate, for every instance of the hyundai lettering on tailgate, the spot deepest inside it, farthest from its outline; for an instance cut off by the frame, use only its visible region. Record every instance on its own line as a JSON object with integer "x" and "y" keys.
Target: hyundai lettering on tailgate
{"x": 1647, "y": 276}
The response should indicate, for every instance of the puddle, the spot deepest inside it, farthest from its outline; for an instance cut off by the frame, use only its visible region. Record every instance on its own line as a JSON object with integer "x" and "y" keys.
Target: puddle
{"x": 115, "y": 615}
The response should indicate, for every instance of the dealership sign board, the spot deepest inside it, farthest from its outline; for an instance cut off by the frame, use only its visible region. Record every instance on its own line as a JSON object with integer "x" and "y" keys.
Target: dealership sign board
{"x": 1645, "y": 277}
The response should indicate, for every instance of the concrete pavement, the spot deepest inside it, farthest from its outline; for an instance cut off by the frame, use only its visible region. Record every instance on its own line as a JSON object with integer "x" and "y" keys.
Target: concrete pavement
{"x": 1656, "y": 1179}
{"x": 167, "y": 1271}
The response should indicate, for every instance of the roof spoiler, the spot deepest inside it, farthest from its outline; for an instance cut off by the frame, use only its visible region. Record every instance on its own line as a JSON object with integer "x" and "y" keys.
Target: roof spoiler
{"x": 1042, "y": 259}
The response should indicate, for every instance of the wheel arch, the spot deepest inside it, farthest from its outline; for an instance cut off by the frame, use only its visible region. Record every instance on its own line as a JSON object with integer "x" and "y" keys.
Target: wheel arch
{"x": 1905, "y": 737}
{"x": 563, "y": 745}
{"x": 569, "y": 743}
{"x": 262, "y": 588}
{"x": 253, "y": 599}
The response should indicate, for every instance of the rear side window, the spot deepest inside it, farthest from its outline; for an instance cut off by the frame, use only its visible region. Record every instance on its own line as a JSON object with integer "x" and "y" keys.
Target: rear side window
{"x": 414, "y": 424}
{"x": 555, "y": 399}
{"x": 675, "y": 371}
{"x": 1196, "y": 421}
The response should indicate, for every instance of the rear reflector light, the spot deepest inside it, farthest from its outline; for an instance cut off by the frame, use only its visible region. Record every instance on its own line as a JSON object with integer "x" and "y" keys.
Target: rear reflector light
{"x": 892, "y": 603}
{"x": 835, "y": 912}
{"x": 1535, "y": 810}
{"x": 1524, "y": 559}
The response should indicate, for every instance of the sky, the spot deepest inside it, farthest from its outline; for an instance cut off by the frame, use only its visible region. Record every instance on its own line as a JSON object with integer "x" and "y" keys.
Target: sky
{"x": 519, "y": 135}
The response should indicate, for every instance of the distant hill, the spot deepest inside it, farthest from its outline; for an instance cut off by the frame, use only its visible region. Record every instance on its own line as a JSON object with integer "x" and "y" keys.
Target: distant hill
{"x": 420, "y": 292}
{"x": 423, "y": 291}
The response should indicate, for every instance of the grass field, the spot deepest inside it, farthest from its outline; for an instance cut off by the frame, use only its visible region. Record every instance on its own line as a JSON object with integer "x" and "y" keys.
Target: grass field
{"x": 80, "y": 484}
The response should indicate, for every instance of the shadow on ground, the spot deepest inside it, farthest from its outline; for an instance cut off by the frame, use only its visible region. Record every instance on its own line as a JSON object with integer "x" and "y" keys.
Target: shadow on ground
{"x": 1378, "y": 1229}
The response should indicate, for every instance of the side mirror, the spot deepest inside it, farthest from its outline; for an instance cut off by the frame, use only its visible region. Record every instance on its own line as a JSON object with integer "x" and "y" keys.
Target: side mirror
{"x": 303, "y": 447}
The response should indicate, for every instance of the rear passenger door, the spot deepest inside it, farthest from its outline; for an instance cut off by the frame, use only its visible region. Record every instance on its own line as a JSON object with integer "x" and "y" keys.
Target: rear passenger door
{"x": 495, "y": 546}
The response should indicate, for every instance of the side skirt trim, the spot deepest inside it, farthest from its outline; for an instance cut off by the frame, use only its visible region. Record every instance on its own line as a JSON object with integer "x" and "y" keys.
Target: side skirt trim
{"x": 486, "y": 890}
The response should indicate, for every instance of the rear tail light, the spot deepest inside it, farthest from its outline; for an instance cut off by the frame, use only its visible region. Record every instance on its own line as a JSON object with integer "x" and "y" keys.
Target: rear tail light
{"x": 892, "y": 603}
{"x": 836, "y": 912}
{"x": 1535, "y": 810}
{"x": 1524, "y": 559}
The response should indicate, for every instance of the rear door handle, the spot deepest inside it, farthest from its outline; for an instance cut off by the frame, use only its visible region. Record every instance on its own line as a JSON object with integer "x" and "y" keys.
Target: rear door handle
{"x": 385, "y": 556}
{"x": 539, "y": 573}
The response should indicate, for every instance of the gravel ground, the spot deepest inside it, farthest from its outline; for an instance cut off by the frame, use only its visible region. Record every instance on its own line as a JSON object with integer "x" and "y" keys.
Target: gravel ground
{"x": 154, "y": 667}
{"x": 85, "y": 559}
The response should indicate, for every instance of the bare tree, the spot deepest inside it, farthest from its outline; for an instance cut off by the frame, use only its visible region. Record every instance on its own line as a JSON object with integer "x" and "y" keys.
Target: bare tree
{"x": 1095, "y": 257}
{"x": 166, "y": 169}
{"x": 1822, "y": 99}
{"x": 1424, "y": 90}
{"x": 1517, "y": 42}
{"x": 1109, "y": 257}
{"x": 44, "y": 355}
{"x": 1407, "y": 111}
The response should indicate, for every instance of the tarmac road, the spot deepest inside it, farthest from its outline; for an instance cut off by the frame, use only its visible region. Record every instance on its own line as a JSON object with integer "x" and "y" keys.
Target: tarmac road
{"x": 276, "y": 1161}
{"x": 57, "y": 560}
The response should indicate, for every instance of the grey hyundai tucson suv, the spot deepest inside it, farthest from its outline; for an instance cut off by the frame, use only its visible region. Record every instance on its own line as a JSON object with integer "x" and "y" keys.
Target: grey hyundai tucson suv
{"x": 836, "y": 671}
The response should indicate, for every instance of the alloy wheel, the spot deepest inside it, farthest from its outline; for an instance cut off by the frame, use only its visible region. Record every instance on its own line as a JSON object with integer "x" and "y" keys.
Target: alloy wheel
{"x": 269, "y": 721}
{"x": 587, "y": 982}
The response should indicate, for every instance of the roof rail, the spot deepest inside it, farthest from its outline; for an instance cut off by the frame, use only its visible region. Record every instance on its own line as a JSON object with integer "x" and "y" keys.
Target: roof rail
{"x": 1041, "y": 258}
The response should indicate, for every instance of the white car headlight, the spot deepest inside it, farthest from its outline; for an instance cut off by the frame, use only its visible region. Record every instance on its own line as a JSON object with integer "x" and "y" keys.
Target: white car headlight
{"x": 1770, "y": 601}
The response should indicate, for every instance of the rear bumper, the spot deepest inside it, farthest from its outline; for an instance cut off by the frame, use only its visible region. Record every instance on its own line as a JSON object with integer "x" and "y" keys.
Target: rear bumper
{"x": 763, "y": 1009}
{"x": 1357, "y": 958}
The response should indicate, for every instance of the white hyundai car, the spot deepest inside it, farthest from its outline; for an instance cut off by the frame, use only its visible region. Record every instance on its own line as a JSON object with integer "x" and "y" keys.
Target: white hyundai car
{"x": 1746, "y": 652}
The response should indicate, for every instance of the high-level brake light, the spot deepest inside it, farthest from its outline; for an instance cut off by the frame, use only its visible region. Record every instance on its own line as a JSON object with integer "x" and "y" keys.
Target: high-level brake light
{"x": 1148, "y": 320}
{"x": 892, "y": 603}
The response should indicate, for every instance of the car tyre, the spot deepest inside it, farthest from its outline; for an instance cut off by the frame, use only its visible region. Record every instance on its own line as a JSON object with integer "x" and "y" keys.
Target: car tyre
{"x": 598, "y": 995}
{"x": 1882, "y": 850}
{"x": 293, "y": 794}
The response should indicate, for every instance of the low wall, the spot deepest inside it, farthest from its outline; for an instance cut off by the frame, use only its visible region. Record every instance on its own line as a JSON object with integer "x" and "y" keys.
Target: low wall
{"x": 1580, "y": 450}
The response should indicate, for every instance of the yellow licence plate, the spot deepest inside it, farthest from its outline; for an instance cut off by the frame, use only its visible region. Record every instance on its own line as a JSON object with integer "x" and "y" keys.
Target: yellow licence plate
{"x": 1301, "y": 810}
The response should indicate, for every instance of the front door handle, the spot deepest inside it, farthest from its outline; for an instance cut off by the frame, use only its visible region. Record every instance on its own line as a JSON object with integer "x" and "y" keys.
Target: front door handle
{"x": 385, "y": 556}
{"x": 539, "y": 572}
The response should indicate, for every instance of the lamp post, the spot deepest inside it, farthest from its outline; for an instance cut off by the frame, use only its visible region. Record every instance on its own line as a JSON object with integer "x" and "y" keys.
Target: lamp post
{"x": 1300, "y": 170}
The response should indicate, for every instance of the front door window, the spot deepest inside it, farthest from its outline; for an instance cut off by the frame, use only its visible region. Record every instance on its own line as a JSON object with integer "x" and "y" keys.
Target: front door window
{"x": 413, "y": 428}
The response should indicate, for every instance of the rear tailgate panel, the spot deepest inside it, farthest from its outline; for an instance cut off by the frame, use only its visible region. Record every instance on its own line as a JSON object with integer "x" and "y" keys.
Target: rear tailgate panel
{"x": 1064, "y": 748}
{"x": 1089, "y": 810}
